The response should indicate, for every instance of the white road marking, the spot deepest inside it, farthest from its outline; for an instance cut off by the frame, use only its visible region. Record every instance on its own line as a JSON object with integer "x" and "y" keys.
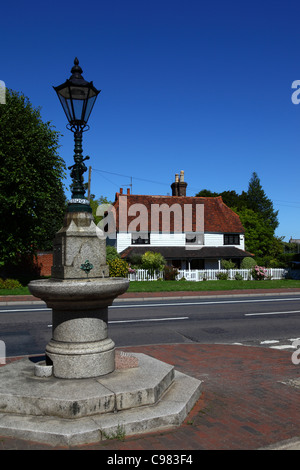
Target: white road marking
{"x": 138, "y": 320}
{"x": 270, "y": 313}
{"x": 203, "y": 303}
{"x": 271, "y": 341}
{"x": 148, "y": 320}
{"x": 25, "y": 310}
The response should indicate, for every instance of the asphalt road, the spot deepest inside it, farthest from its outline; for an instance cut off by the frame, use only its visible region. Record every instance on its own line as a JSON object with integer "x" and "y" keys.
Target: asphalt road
{"x": 259, "y": 321}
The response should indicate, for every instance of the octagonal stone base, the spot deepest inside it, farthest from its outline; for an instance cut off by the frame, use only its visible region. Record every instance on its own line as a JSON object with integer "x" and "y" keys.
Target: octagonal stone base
{"x": 149, "y": 397}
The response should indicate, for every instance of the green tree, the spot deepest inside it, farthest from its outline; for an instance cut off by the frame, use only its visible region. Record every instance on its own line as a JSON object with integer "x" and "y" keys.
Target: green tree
{"x": 230, "y": 198}
{"x": 32, "y": 200}
{"x": 153, "y": 261}
{"x": 234, "y": 200}
{"x": 248, "y": 263}
{"x": 258, "y": 234}
{"x": 259, "y": 202}
{"x": 258, "y": 218}
{"x": 111, "y": 254}
{"x": 207, "y": 193}
{"x": 95, "y": 203}
{"x": 228, "y": 264}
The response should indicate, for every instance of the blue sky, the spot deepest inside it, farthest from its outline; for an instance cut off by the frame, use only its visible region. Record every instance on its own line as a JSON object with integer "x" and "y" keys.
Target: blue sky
{"x": 193, "y": 85}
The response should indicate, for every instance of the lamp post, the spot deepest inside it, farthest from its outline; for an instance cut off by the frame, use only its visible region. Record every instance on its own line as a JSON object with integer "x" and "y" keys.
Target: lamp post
{"x": 80, "y": 290}
{"x": 77, "y": 97}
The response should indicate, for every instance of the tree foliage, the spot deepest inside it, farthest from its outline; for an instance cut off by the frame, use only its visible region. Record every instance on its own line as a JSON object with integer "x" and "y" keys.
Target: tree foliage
{"x": 259, "y": 219}
{"x": 153, "y": 261}
{"x": 260, "y": 203}
{"x": 258, "y": 234}
{"x": 32, "y": 200}
{"x": 111, "y": 254}
{"x": 118, "y": 267}
{"x": 95, "y": 203}
{"x": 248, "y": 263}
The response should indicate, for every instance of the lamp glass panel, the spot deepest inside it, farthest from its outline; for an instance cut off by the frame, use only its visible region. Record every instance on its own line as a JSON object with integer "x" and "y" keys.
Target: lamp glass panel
{"x": 66, "y": 104}
{"x": 89, "y": 107}
{"x": 78, "y": 106}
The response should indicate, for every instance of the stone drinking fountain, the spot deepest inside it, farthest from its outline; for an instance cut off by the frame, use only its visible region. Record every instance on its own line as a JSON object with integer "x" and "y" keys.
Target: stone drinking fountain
{"x": 77, "y": 394}
{"x": 79, "y": 291}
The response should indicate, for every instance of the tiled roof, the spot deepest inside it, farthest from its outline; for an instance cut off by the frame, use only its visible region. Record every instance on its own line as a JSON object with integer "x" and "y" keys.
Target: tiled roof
{"x": 218, "y": 218}
{"x": 174, "y": 252}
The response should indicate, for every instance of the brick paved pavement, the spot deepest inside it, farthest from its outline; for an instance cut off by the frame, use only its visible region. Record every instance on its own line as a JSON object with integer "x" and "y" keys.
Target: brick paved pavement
{"x": 246, "y": 403}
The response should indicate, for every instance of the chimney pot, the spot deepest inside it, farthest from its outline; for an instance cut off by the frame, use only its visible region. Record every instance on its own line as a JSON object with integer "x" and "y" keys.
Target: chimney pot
{"x": 179, "y": 186}
{"x": 121, "y": 190}
{"x": 128, "y": 190}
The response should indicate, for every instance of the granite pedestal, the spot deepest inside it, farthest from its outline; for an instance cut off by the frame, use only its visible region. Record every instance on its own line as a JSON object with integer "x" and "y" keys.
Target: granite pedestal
{"x": 79, "y": 293}
{"x": 147, "y": 397}
{"x": 80, "y": 346}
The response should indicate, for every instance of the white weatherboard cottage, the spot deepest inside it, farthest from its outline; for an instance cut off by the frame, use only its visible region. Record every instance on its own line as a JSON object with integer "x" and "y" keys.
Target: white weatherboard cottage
{"x": 190, "y": 232}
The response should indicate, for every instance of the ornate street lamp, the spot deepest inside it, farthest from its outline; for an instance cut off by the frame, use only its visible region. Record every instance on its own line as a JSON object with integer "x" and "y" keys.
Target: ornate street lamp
{"x": 77, "y": 97}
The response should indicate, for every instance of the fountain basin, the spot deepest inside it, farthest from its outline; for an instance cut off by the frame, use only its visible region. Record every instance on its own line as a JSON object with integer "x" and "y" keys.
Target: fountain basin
{"x": 95, "y": 291}
{"x": 80, "y": 347}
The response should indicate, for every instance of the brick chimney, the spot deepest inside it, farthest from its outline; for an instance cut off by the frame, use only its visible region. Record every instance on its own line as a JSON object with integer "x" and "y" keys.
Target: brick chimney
{"x": 179, "y": 186}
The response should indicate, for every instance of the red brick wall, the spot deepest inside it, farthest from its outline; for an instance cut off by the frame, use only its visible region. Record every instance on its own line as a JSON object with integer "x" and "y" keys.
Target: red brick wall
{"x": 45, "y": 261}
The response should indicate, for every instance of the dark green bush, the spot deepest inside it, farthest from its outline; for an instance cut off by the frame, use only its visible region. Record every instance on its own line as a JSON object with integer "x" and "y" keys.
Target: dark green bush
{"x": 248, "y": 263}
{"x": 118, "y": 268}
{"x": 238, "y": 277}
{"x": 170, "y": 273}
{"x": 222, "y": 276}
{"x": 10, "y": 284}
{"x": 111, "y": 253}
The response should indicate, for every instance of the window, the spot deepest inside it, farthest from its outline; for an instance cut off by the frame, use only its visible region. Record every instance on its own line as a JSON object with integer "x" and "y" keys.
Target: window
{"x": 189, "y": 239}
{"x": 231, "y": 239}
{"x": 193, "y": 238}
{"x": 197, "y": 264}
{"x": 140, "y": 238}
{"x": 176, "y": 263}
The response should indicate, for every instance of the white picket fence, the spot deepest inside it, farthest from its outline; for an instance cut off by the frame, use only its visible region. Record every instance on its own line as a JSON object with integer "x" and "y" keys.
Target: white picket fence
{"x": 212, "y": 274}
{"x": 207, "y": 274}
{"x": 145, "y": 275}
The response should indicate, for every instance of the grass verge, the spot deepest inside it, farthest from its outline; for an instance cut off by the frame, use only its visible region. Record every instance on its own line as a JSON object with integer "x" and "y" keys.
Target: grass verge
{"x": 170, "y": 286}
{"x": 18, "y": 291}
{"x": 173, "y": 286}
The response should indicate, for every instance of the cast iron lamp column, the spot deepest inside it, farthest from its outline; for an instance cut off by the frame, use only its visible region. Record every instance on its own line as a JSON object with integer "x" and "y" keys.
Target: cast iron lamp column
{"x": 80, "y": 290}
{"x": 77, "y": 97}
